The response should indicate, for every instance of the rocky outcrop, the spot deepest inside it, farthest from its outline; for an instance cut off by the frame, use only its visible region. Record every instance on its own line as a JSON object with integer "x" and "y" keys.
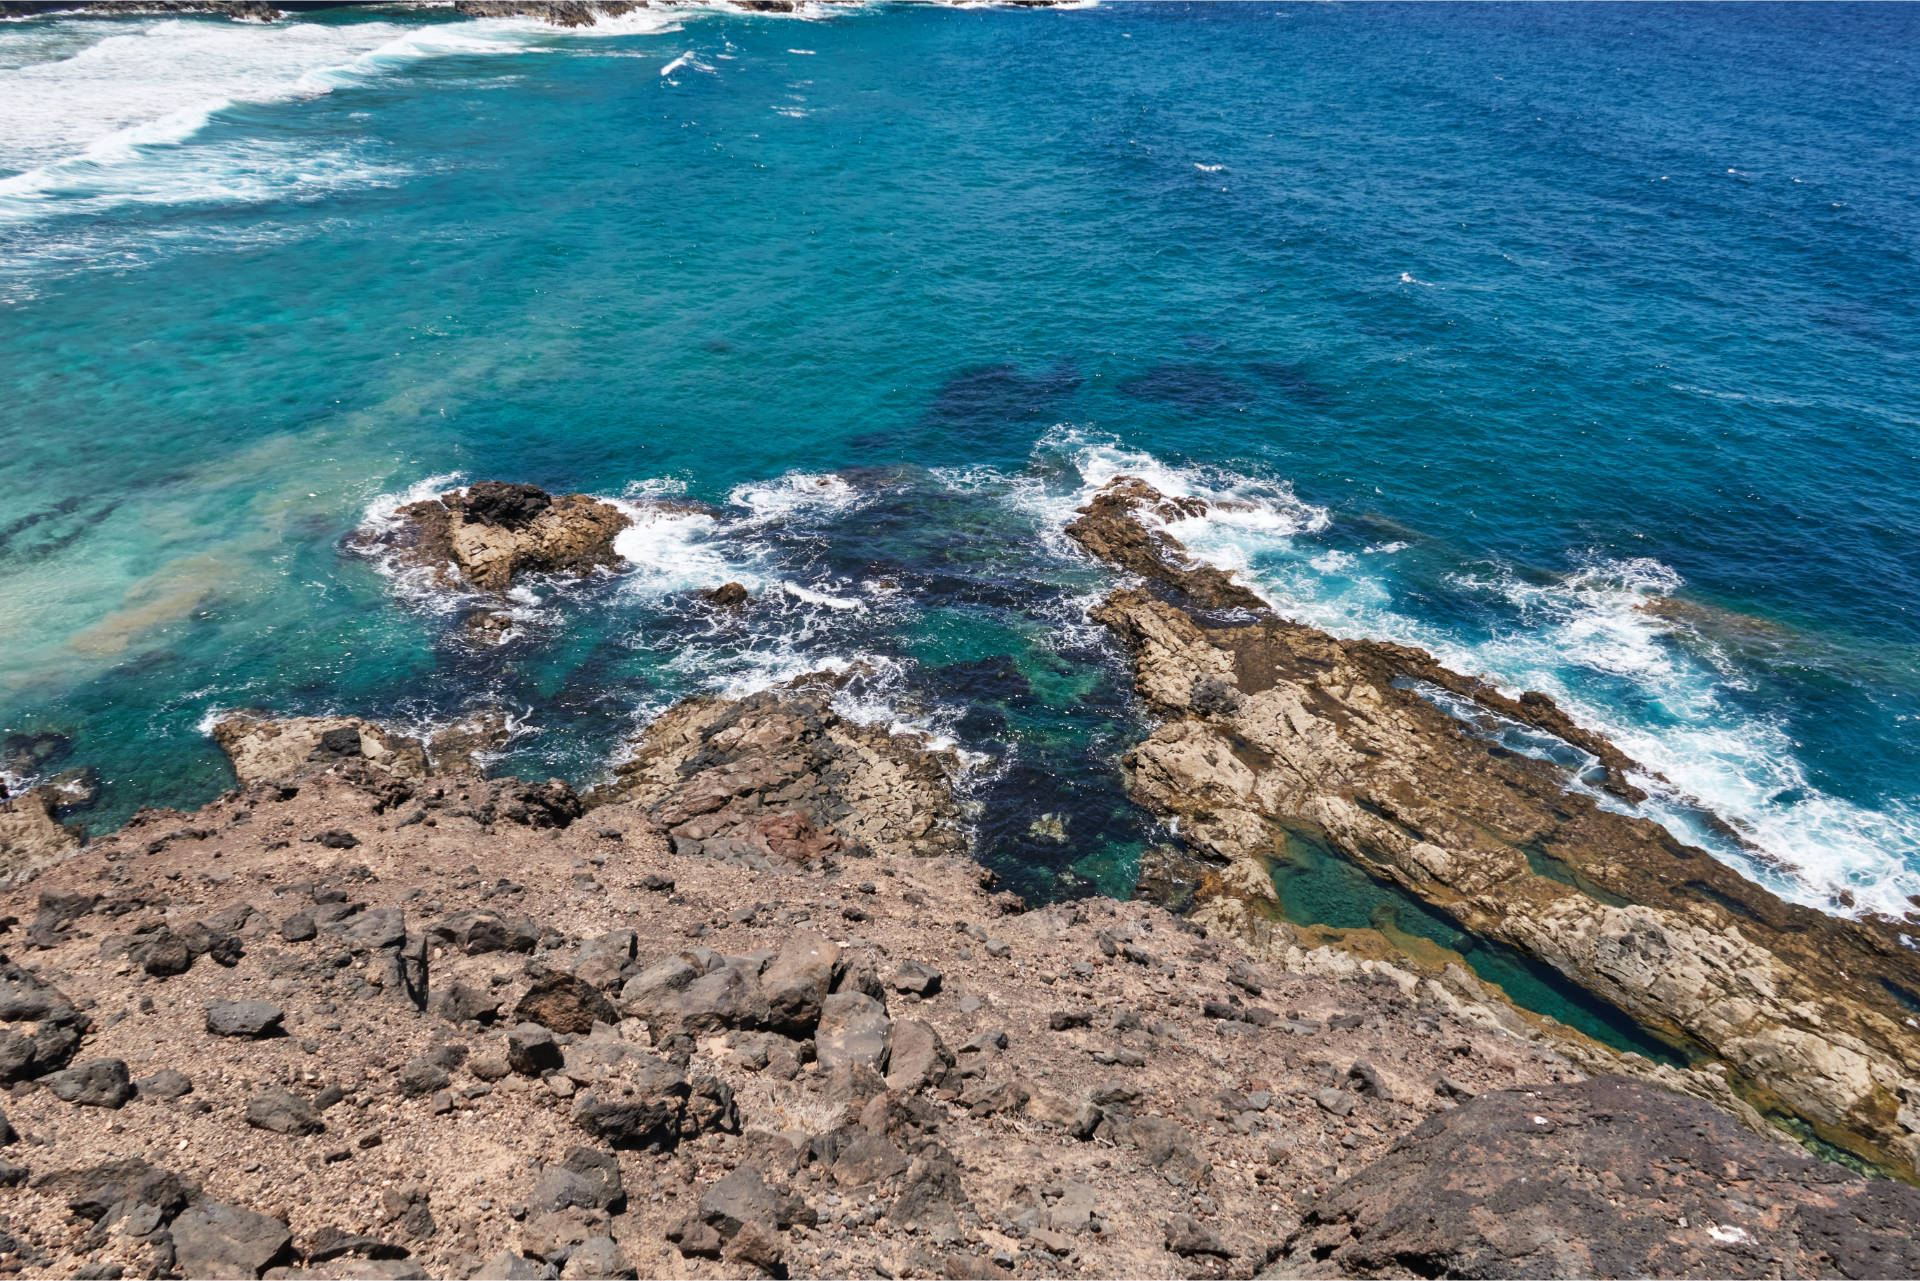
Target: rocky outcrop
{"x": 395, "y": 768}
{"x": 781, "y": 775}
{"x": 483, "y": 537}
{"x": 268, "y": 749}
{"x": 264, "y": 749}
{"x": 1272, "y": 730}
{"x": 561, "y": 13}
{"x": 31, "y": 833}
{"x": 1606, "y": 1177}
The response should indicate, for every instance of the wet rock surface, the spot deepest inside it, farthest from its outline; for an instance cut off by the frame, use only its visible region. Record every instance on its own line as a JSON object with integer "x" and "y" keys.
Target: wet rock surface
{"x": 1272, "y": 730}
{"x": 483, "y": 537}
{"x": 1605, "y": 1177}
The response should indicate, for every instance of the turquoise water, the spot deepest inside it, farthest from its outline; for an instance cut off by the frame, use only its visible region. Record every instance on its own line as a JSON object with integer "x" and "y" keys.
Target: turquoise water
{"x": 1508, "y": 323}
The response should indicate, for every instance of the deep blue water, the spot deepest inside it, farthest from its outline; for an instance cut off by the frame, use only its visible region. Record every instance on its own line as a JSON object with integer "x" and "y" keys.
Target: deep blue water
{"x": 1509, "y": 321}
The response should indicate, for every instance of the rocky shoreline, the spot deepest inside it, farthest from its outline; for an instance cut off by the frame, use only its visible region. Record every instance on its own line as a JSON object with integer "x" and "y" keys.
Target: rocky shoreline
{"x": 1271, "y": 730}
{"x": 748, "y": 1007}
{"x": 560, "y": 13}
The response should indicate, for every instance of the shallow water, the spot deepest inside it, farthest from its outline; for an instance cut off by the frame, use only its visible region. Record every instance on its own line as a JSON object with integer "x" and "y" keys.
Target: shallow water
{"x": 1509, "y": 323}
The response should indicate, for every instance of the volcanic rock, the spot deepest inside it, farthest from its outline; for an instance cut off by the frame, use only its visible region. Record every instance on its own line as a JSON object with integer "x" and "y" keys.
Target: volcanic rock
{"x": 1602, "y": 1177}
{"x": 1271, "y": 727}
{"x": 487, "y": 535}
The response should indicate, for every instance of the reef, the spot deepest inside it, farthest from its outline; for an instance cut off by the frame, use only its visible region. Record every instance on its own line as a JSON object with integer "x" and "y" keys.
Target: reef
{"x": 1273, "y": 731}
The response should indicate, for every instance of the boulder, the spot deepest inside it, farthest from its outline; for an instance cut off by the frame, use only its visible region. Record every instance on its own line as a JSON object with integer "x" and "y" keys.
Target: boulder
{"x": 1603, "y": 1177}
{"x": 916, "y": 1056}
{"x": 283, "y": 1113}
{"x": 98, "y": 1083}
{"x": 212, "y": 1239}
{"x": 729, "y": 997}
{"x": 531, "y": 1050}
{"x": 249, "y": 1019}
{"x": 565, "y": 1004}
{"x": 798, "y": 980}
{"x": 853, "y": 1030}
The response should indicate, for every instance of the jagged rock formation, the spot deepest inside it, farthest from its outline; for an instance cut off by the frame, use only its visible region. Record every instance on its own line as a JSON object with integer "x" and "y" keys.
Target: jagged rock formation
{"x": 1271, "y": 728}
{"x": 31, "y": 833}
{"x": 486, "y": 535}
{"x": 1601, "y": 1178}
{"x": 561, "y": 13}
{"x": 780, "y": 774}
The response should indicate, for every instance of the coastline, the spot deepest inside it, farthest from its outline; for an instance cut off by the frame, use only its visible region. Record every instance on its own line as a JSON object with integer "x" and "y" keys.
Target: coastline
{"x": 1214, "y": 1092}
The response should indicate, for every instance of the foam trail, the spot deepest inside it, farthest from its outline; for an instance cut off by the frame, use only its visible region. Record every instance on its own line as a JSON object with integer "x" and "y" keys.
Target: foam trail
{"x": 673, "y": 550}
{"x": 111, "y": 123}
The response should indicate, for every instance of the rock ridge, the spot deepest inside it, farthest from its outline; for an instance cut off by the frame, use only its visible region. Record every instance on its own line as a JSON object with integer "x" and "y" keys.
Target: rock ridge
{"x": 1272, "y": 730}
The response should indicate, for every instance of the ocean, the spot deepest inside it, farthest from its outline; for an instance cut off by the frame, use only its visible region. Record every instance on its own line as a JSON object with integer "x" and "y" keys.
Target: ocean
{"x": 1573, "y": 343}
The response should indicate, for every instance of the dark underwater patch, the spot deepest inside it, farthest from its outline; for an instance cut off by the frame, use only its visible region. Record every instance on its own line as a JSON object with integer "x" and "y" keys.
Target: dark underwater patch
{"x": 1198, "y": 389}
{"x": 1293, "y": 382}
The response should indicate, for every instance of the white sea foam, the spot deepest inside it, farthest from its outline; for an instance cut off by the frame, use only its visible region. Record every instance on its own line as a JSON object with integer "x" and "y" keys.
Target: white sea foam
{"x": 381, "y": 516}
{"x": 687, "y": 59}
{"x": 673, "y": 550}
{"x": 812, "y": 596}
{"x": 1583, "y": 637}
{"x": 795, "y": 494}
{"x": 116, "y": 120}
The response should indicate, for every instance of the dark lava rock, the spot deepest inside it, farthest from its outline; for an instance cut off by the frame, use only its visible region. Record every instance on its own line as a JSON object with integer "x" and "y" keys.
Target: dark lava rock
{"x": 164, "y": 1084}
{"x": 589, "y": 1179}
{"x": 463, "y": 1002}
{"x": 421, "y": 1075}
{"x": 1604, "y": 1177}
{"x": 482, "y": 931}
{"x": 727, "y": 596}
{"x": 565, "y": 1004}
{"x": 853, "y": 1029}
{"x": 1186, "y": 1237}
{"x": 99, "y": 1083}
{"x": 164, "y": 955}
{"x": 91, "y": 1191}
{"x": 532, "y": 1050}
{"x": 506, "y": 504}
{"x": 212, "y": 1239}
{"x": 283, "y": 1113}
{"x": 743, "y": 1197}
{"x": 250, "y": 1019}
{"x": 337, "y": 838}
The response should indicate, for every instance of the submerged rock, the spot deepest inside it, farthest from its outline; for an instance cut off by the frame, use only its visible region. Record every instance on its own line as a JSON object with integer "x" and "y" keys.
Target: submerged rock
{"x": 1271, "y": 728}
{"x": 1607, "y": 1177}
{"x": 483, "y": 537}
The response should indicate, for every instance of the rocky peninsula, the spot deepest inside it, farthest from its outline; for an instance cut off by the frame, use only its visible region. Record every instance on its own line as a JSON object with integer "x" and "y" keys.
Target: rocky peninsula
{"x": 749, "y": 1008}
